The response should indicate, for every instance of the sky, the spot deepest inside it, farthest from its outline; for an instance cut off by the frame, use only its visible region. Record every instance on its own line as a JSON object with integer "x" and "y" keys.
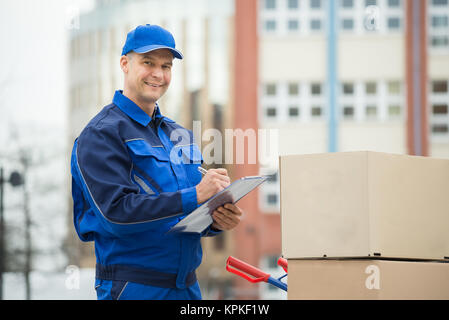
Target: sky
{"x": 33, "y": 78}
{"x": 33, "y": 112}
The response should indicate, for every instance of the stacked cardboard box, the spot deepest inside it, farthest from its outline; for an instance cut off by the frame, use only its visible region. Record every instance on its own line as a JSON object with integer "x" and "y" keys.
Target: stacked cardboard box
{"x": 365, "y": 225}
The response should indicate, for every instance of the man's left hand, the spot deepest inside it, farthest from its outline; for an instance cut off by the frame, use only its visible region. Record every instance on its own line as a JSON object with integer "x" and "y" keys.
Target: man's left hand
{"x": 226, "y": 217}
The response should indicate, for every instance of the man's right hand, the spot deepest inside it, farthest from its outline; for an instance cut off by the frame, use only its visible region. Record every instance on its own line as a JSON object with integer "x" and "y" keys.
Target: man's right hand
{"x": 213, "y": 182}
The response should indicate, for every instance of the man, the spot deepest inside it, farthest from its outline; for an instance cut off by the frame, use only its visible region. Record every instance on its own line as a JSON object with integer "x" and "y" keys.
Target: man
{"x": 135, "y": 175}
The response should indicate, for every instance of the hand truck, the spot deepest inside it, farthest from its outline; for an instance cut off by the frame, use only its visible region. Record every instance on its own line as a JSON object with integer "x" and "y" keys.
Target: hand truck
{"x": 253, "y": 274}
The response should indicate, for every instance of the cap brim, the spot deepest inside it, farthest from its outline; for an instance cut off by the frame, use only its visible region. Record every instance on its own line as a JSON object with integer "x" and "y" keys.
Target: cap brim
{"x": 146, "y": 49}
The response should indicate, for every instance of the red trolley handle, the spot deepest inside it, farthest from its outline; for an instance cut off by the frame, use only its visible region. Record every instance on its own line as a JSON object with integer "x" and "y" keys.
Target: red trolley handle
{"x": 239, "y": 266}
{"x": 283, "y": 263}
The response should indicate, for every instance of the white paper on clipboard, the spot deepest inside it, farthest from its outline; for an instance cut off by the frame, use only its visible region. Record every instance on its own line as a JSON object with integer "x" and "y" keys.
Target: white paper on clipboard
{"x": 201, "y": 217}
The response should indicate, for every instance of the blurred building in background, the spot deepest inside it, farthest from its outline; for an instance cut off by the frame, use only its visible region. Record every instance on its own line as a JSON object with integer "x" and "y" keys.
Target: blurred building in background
{"x": 377, "y": 80}
{"x": 387, "y": 62}
{"x": 372, "y": 109}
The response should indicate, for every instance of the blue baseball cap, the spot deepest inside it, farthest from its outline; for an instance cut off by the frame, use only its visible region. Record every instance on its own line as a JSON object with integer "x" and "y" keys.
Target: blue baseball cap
{"x": 146, "y": 38}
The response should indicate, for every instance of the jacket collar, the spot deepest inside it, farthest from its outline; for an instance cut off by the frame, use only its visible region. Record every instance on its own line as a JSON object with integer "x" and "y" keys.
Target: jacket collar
{"x": 133, "y": 110}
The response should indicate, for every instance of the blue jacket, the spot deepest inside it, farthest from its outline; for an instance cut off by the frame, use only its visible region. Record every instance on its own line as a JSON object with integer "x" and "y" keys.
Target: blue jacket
{"x": 133, "y": 178}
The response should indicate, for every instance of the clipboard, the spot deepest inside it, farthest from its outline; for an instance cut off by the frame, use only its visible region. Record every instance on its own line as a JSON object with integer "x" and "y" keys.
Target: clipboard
{"x": 201, "y": 218}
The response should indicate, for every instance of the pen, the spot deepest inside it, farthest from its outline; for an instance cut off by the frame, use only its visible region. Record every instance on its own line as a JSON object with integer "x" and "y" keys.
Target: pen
{"x": 202, "y": 170}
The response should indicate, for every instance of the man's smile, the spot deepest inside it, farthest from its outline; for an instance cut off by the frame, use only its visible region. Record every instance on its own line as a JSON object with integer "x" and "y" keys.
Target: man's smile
{"x": 154, "y": 85}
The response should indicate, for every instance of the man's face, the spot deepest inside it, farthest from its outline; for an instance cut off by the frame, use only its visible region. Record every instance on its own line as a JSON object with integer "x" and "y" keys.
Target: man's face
{"x": 147, "y": 75}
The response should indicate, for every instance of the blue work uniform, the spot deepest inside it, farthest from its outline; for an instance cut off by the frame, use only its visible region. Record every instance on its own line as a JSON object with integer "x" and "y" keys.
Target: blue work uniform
{"x": 133, "y": 178}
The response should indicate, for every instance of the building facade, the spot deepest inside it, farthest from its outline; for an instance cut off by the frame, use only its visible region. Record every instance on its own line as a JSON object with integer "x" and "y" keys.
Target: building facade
{"x": 390, "y": 60}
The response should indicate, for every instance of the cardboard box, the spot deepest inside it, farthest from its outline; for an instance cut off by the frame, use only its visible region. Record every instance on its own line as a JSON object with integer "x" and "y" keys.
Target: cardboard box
{"x": 367, "y": 279}
{"x": 355, "y": 204}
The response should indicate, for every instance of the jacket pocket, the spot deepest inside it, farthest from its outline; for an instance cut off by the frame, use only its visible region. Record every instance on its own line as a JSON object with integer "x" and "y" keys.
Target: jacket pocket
{"x": 141, "y": 148}
{"x": 152, "y": 165}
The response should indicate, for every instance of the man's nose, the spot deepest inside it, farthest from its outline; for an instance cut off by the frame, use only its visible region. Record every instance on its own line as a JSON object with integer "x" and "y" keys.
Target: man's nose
{"x": 157, "y": 73}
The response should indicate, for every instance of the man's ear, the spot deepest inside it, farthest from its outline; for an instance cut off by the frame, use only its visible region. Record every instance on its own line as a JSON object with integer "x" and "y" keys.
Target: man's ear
{"x": 124, "y": 63}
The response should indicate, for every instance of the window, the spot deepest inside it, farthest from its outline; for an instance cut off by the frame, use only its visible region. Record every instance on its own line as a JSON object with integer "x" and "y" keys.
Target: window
{"x": 270, "y": 4}
{"x": 439, "y": 128}
{"x": 439, "y": 86}
{"x": 291, "y": 18}
{"x": 439, "y": 41}
{"x": 348, "y": 112}
{"x": 315, "y": 4}
{"x": 370, "y": 16}
{"x": 272, "y": 199}
{"x": 293, "y": 25}
{"x": 270, "y": 89}
{"x": 394, "y": 3}
{"x": 348, "y": 88}
{"x": 316, "y": 89}
{"x": 271, "y": 112}
{"x": 347, "y": 24}
{"x": 439, "y": 25}
{"x": 394, "y": 100}
{"x": 270, "y": 25}
{"x": 291, "y": 102}
{"x": 293, "y": 4}
{"x": 439, "y": 109}
{"x": 347, "y": 4}
{"x": 316, "y": 111}
{"x": 393, "y": 23}
{"x": 293, "y": 111}
{"x": 293, "y": 89}
{"x": 439, "y": 2}
{"x": 394, "y": 111}
{"x": 371, "y": 111}
{"x": 315, "y": 24}
{"x": 439, "y": 21}
{"x": 371, "y": 88}
{"x": 394, "y": 87}
{"x": 371, "y": 100}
